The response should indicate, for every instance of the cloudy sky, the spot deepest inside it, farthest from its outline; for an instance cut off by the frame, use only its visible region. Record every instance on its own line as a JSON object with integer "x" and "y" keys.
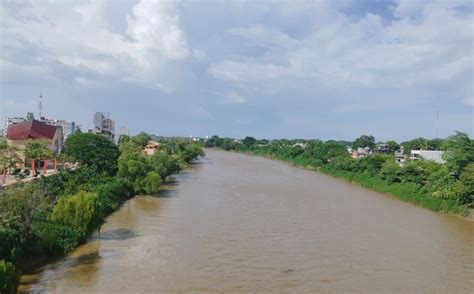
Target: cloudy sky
{"x": 296, "y": 69}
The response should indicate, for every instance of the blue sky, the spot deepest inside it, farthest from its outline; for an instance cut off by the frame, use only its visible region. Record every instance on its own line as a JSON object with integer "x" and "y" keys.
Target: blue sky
{"x": 269, "y": 69}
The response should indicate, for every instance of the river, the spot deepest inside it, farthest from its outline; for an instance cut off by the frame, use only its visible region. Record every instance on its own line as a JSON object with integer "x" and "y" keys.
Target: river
{"x": 235, "y": 223}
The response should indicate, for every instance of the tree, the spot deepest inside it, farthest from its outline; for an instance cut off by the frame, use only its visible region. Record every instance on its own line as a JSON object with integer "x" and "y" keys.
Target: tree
{"x": 30, "y": 116}
{"x": 81, "y": 211}
{"x": 390, "y": 171}
{"x": 364, "y": 141}
{"x": 152, "y": 182}
{"x": 392, "y": 146}
{"x": 123, "y": 139}
{"x": 191, "y": 151}
{"x": 141, "y": 139}
{"x": 465, "y": 186}
{"x": 20, "y": 206}
{"x": 93, "y": 151}
{"x": 458, "y": 152}
{"x": 165, "y": 164}
{"x": 9, "y": 155}
{"x": 249, "y": 141}
{"x": 214, "y": 141}
{"x": 37, "y": 149}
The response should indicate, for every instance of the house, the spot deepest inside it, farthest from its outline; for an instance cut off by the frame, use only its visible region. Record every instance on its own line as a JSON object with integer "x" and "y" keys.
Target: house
{"x": 382, "y": 148}
{"x": 361, "y": 152}
{"x": 18, "y": 134}
{"x": 151, "y": 147}
{"x": 435, "y": 155}
{"x": 399, "y": 157}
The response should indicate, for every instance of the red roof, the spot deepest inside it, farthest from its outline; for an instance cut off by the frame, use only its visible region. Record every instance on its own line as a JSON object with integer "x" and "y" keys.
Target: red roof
{"x": 31, "y": 130}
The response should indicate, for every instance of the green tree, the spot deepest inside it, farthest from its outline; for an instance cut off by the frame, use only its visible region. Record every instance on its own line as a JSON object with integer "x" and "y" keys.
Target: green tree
{"x": 465, "y": 186}
{"x": 441, "y": 184}
{"x": 364, "y": 141}
{"x": 392, "y": 146}
{"x": 458, "y": 152}
{"x": 166, "y": 164}
{"x": 21, "y": 206}
{"x": 411, "y": 172}
{"x": 191, "y": 152}
{"x": 123, "y": 139}
{"x": 9, "y": 156}
{"x": 249, "y": 141}
{"x": 141, "y": 139}
{"x": 81, "y": 211}
{"x": 93, "y": 151}
{"x": 37, "y": 150}
{"x": 390, "y": 171}
{"x": 30, "y": 116}
{"x": 152, "y": 183}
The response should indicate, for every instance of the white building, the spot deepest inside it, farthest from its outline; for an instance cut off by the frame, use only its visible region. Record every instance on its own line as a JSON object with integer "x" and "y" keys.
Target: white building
{"x": 435, "y": 155}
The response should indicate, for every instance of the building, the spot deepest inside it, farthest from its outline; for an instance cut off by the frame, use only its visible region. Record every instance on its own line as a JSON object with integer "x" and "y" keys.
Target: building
{"x": 151, "y": 147}
{"x": 19, "y": 133}
{"x": 67, "y": 127}
{"x": 382, "y": 148}
{"x": 124, "y": 131}
{"x": 399, "y": 157}
{"x": 104, "y": 126}
{"x": 435, "y": 155}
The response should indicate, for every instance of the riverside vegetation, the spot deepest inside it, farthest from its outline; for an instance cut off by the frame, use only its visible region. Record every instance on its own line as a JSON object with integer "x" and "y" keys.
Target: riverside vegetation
{"x": 445, "y": 187}
{"x": 52, "y": 215}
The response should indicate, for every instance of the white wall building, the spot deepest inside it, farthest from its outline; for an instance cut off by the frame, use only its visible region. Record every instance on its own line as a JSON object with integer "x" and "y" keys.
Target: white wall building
{"x": 435, "y": 155}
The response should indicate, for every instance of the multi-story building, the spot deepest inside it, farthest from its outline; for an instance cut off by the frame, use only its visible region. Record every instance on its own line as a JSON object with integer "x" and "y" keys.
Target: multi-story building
{"x": 104, "y": 126}
{"x": 124, "y": 131}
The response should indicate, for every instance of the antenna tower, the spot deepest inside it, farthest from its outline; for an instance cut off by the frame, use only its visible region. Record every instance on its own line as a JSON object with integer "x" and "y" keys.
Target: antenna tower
{"x": 40, "y": 105}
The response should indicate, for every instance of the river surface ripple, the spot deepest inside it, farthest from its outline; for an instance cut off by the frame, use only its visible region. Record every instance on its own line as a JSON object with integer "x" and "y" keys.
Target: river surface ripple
{"x": 235, "y": 223}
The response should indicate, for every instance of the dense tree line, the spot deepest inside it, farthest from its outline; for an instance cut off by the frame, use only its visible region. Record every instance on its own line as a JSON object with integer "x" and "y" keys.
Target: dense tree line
{"x": 52, "y": 215}
{"x": 441, "y": 187}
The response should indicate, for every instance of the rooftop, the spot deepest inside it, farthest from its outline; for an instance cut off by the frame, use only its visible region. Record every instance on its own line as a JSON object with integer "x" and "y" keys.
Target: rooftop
{"x": 31, "y": 130}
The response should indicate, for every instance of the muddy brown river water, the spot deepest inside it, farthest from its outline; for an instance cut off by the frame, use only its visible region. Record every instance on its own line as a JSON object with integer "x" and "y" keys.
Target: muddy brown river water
{"x": 235, "y": 223}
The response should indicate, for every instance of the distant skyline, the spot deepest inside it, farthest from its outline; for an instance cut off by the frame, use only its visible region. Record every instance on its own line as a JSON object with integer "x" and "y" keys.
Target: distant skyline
{"x": 268, "y": 69}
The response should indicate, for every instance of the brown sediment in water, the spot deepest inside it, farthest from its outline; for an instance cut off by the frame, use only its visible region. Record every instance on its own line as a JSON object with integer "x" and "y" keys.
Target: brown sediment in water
{"x": 236, "y": 223}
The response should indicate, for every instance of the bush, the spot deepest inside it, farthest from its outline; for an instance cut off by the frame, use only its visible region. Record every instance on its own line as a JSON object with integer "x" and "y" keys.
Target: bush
{"x": 152, "y": 182}
{"x": 390, "y": 172}
{"x": 9, "y": 278}
{"x": 113, "y": 192}
{"x": 54, "y": 238}
{"x": 81, "y": 211}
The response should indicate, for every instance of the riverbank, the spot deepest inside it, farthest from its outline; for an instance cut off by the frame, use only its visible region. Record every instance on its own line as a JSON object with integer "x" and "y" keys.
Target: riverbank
{"x": 402, "y": 191}
{"x": 49, "y": 217}
{"x": 240, "y": 224}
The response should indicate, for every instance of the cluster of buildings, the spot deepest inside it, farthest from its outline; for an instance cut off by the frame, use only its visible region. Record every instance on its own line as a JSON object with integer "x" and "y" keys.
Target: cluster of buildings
{"x": 56, "y": 132}
{"x": 399, "y": 155}
{"x": 19, "y": 130}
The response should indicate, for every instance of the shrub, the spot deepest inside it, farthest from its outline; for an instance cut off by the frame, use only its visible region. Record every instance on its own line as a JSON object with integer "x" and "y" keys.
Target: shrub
{"x": 390, "y": 172}
{"x": 81, "y": 211}
{"x": 152, "y": 182}
{"x": 53, "y": 238}
{"x": 9, "y": 278}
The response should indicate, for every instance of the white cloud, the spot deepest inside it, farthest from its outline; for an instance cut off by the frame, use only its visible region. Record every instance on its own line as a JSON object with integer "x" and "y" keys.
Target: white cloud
{"x": 79, "y": 37}
{"x": 366, "y": 53}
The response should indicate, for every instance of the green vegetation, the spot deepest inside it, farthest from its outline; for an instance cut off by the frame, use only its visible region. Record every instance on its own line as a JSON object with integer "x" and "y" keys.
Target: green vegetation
{"x": 52, "y": 215}
{"x": 93, "y": 151}
{"x": 445, "y": 187}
